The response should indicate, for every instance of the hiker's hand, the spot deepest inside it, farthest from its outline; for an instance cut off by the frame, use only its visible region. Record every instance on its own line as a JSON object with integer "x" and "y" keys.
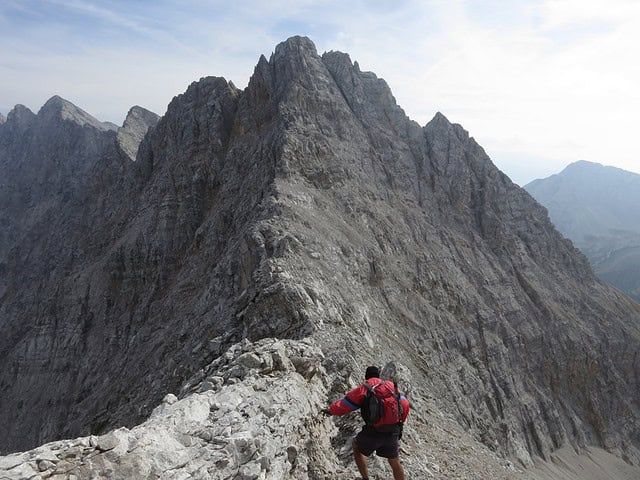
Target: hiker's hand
{"x": 325, "y": 412}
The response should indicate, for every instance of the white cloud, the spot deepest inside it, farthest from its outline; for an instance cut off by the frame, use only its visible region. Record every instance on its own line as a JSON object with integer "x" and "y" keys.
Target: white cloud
{"x": 562, "y": 13}
{"x": 104, "y": 14}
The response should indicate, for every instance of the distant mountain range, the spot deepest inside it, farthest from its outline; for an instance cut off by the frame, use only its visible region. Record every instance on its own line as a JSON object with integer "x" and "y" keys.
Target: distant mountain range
{"x": 598, "y": 208}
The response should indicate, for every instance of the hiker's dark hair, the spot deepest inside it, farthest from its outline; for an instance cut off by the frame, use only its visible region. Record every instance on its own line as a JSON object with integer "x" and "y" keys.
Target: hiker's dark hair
{"x": 372, "y": 372}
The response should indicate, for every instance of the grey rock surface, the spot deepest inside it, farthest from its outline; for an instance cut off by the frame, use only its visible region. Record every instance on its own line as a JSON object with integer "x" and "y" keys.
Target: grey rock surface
{"x": 2, "y": 119}
{"x": 306, "y": 208}
{"x": 134, "y": 128}
{"x": 263, "y": 422}
{"x": 598, "y": 208}
{"x": 19, "y": 119}
{"x": 265, "y": 426}
{"x": 60, "y": 109}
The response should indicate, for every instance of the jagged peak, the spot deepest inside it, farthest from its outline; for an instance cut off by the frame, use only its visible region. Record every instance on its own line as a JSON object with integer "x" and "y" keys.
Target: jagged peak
{"x": 296, "y": 59}
{"x": 204, "y": 87}
{"x": 338, "y": 59}
{"x": 205, "y": 110}
{"x": 440, "y": 119}
{"x": 138, "y": 122}
{"x": 196, "y": 88}
{"x": 261, "y": 70}
{"x": 442, "y": 123}
{"x": 138, "y": 109}
{"x": 262, "y": 61}
{"x": 20, "y": 117}
{"x": 296, "y": 45}
{"x": 138, "y": 113}
{"x": 439, "y": 123}
{"x": 58, "y": 107}
{"x": 20, "y": 111}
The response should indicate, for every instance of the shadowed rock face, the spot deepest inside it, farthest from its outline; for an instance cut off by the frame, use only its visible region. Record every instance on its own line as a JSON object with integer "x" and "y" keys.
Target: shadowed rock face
{"x": 307, "y": 205}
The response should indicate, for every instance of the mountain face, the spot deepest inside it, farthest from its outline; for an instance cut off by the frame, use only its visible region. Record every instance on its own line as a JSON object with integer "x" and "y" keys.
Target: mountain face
{"x": 262, "y": 249}
{"x": 597, "y": 208}
{"x": 60, "y": 170}
{"x": 135, "y": 127}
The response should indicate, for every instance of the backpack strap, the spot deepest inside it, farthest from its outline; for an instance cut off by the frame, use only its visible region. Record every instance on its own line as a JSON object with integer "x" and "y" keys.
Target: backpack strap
{"x": 400, "y": 414}
{"x": 371, "y": 388}
{"x": 396, "y": 394}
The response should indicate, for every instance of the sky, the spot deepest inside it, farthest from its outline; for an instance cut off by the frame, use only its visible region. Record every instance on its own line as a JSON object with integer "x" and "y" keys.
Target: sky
{"x": 539, "y": 84}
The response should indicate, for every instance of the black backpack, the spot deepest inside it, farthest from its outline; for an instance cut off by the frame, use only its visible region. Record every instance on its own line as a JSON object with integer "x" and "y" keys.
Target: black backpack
{"x": 372, "y": 409}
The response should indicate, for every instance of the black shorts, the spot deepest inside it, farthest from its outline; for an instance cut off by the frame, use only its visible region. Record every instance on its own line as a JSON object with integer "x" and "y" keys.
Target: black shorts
{"x": 385, "y": 444}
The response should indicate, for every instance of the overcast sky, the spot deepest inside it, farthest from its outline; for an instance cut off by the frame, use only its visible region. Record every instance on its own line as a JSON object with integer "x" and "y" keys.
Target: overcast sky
{"x": 539, "y": 83}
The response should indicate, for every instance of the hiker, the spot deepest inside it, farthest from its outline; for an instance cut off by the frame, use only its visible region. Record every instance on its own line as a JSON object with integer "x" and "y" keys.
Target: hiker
{"x": 382, "y": 430}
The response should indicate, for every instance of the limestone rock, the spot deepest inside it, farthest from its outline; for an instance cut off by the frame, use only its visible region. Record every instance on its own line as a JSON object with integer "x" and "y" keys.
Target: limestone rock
{"x": 44, "y": 465}
{"x": 170, "y": 399}
{"x": 139, "y": 120}
{"x": 263, "y": 249}
{"x": 58, "y": 107}
{"x": 107, "y": 442}
{"x": 233, "y": 433}
{"x": 18, "y": 119}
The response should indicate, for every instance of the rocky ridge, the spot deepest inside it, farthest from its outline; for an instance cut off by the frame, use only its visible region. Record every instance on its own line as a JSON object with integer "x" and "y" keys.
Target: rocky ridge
{"x": 59, "y": 172}
{"x": 236, "y": 420}
{"x": 308, "y": 206}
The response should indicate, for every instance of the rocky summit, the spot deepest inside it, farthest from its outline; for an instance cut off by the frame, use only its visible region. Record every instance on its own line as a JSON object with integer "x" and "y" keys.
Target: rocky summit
{"x": 182, "y": 303}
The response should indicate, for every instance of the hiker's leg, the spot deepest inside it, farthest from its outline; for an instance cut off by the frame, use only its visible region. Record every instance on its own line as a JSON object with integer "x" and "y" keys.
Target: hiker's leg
{"x": 396, "y": 466}
{"x": 361, "y": 460}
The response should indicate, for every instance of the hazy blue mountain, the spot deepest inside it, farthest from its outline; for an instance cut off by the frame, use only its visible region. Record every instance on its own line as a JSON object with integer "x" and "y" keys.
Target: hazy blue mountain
{"x": 598, "y": 208}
